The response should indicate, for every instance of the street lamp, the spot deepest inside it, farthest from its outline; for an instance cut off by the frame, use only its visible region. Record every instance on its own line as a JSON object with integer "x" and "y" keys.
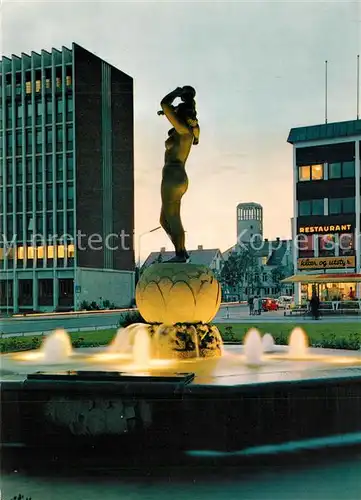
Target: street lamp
{"x": 139, "y": 240}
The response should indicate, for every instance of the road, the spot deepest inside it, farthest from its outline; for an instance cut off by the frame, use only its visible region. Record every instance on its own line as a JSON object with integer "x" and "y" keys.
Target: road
{"x": 85, "y": 321}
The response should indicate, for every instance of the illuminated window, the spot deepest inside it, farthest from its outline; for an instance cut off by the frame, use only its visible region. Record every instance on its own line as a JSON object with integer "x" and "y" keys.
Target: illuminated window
{"x": 28, "y": 87}
{"x": 37, "y": 85}
{"x": 47, "y": 83}
{"x": 60, "y": 251}
{"x": 327, "y": 245}
{"x": 50, "y": 252}
{"x": 30, "y": 251}
{"x": 317, "y": 172}
{"x": 21, "y": 253}
{"x": 58, "y": 82}
{"x": 310, "y": 172}
{"x": 40, "y": 252}
{"x": 304, "y": 173}
{"x": 68, "y": 81}
{"x": 70, "y": 251}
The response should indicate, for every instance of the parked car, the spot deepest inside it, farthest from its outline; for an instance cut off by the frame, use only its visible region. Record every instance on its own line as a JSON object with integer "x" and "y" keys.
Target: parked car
{"x": 284, "y": 302}
{"x": 269, "y": 304}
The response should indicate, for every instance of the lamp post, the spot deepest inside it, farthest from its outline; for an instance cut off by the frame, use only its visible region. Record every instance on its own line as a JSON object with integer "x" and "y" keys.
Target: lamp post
{"x": 139, "y": 241}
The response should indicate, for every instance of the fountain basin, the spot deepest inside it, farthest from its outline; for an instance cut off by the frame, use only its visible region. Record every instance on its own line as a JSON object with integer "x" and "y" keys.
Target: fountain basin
{"x": 104, "y": 399}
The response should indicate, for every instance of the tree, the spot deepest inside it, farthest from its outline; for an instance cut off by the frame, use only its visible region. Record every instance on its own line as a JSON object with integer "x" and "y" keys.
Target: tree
{"x": 240, "y": 269}
{"x": 278, "y": 274}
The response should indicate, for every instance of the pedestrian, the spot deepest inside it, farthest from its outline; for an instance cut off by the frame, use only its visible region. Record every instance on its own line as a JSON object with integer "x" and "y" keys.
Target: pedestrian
{"x": 315, "y": 306}
{"x": 250, "y": 305}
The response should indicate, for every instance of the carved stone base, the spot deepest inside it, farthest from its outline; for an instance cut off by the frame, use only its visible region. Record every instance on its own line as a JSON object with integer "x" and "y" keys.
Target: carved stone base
{"x": 185, "y": 341}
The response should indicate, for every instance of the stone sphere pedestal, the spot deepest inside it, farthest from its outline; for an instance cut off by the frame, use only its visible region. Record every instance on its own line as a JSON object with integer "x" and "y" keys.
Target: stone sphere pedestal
{"x": 179, "y": 300}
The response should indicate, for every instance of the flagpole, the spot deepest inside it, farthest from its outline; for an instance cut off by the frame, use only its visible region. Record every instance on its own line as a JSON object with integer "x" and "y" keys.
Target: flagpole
{"x": 326, "y": 91}
{"x": 358, "y": 88}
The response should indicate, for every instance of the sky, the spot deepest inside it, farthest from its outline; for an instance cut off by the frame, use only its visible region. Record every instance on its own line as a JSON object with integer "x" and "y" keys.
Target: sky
{"x": 258, "y": 68}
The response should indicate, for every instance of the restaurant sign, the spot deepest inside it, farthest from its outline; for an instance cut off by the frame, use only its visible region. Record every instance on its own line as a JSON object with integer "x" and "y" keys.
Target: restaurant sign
{"x": 326, "y": 263}
{"x": 325, "y": 229}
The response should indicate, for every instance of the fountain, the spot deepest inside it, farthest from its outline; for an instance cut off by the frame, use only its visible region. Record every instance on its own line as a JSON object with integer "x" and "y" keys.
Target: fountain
{"x": 268, "y": 343}
{"x": 253, "y": 348}
{"x": 57, "y": 347}
{"x": 298, "y": 344}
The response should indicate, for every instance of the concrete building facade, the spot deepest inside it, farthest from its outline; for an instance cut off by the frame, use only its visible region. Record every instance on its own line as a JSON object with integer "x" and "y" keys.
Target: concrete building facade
{"x": 67, "y": 181}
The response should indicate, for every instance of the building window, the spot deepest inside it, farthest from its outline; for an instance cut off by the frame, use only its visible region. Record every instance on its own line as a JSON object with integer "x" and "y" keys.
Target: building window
{"x": 49, "y": 109}
{"x": 29, "y": 170}
{"x": 341, "y": 170}
{"x": 59, "y": 195}
{"x": 29, "y": 198}
{"x": 9, "y": 113}
{"x": 38, "y": 112}
{"x": 341, "y": 206}
{"x": 346, "y": 245}
{"x": 9, "y": 144}
{"x": 28, "y": 87}
{"x": 39, "y": 197}
{"x": 49, "y": 197}
{"x": 311, "y": 207}
{"x": 49, "y": 225}
{"x": 9, "y": 200}
{"x": 59, "y": 109}
{"x": 38, "y": 170}
{"x": 59, "y": 138}
{"x": 305, "y": 244}
{"x": 29, "y": 112}
{"x": 9, "y": 172}
{"x": 69, "y": 167}
{"x": 19, "y": 114}
{"x": 310, "y": 172}
{"x": 29, "y": 142}
{"x": 59, "y": 167}
{"x": 60, "y": 224}
{"x": 69, "y": 137}
{"x": 327, "y": 245}
{"x": 49, "y": 139}
{"x": 48, "y": 168}
{"x": 19, "y": 142}
{"x": 19, "y": 171}
{"x": 38, "y": 140}
{"x": 69, "y": 109}
{"x": 19, "y": 199}
{"x": 70, "y": 196}
{"x": 70, "y": 222}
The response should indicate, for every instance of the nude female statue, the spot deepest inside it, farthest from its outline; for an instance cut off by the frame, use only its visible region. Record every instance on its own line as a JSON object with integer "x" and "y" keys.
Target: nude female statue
{"x": 181, "y": 137}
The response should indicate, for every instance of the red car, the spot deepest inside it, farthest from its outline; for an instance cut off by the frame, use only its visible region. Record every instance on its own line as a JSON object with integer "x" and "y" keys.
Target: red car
{"x": 269, "y": 304}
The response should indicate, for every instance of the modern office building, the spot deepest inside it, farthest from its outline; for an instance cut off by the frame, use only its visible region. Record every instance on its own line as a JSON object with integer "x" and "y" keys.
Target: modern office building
{"x": 67, "y": 187}
{"x": 326, "y": 223}
{"x": 249, "y": 222}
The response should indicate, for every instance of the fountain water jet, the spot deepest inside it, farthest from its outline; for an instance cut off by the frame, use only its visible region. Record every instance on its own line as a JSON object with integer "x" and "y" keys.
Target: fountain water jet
{"x": 268, "y": 342}
{"x": 57, "y": 347}
{"x": 142, "y": 349}
{"x": 253, "y": 348}
{"x": 298, "y": 343}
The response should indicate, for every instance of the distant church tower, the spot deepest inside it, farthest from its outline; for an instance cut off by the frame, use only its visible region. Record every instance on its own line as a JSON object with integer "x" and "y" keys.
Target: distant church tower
{"x": 249, "y": 222}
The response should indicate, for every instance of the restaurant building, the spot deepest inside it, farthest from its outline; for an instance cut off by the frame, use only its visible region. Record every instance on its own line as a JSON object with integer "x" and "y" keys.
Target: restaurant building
{"x": 66, "y": 182}
{"x": 326, "y": 222}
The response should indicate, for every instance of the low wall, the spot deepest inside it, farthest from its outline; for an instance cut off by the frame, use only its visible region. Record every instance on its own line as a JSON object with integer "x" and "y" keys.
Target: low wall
{"x": 104, "y": 284}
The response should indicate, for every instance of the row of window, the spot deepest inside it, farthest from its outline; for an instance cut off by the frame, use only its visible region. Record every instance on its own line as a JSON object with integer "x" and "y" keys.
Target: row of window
{"x": 26, "y": 175}
{"x": 27, "y": 114}
{"x": 326, "y": 245}
{"x": 249, "y": 214}
{"x": 335, "y": 206}
{"x": 41, "y": 143}
{"x": 40, "y": 227}
{"x": 24, "y": 197}
{"x": 38, "y": 76}
{"x": 39, "y": 252}
{"x": 320, "y": 171}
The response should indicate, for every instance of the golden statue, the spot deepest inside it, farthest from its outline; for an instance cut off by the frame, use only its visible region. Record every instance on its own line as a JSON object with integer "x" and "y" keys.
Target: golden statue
{"x": 181, "y": 137}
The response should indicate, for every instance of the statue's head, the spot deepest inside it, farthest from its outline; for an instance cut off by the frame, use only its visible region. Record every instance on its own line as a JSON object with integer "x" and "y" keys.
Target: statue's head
{"x": 188, "y": 94}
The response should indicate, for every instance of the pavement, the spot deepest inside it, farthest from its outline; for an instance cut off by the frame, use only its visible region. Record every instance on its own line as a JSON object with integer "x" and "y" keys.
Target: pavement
{"x": 99, "y": 320}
